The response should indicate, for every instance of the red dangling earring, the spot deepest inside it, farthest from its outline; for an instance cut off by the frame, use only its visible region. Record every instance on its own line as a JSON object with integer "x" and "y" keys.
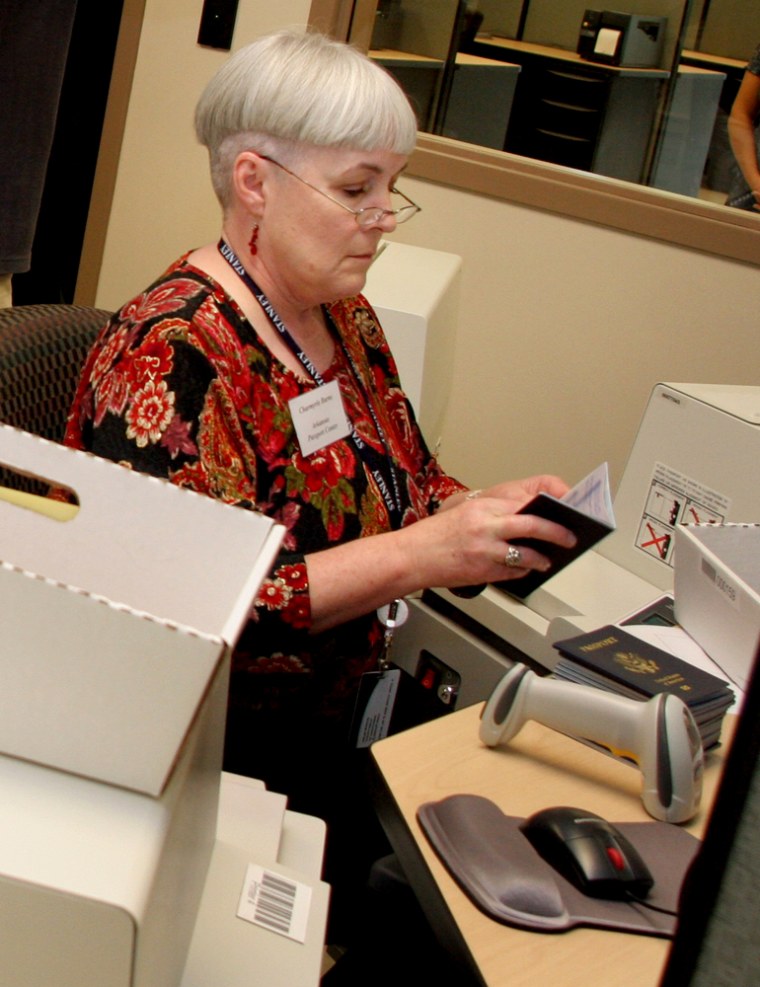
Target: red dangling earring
{"x": 252, "y": 242}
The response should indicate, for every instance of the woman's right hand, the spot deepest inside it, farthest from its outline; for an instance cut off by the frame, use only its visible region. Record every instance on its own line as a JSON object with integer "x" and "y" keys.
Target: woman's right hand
{"x": 468, "y": 544}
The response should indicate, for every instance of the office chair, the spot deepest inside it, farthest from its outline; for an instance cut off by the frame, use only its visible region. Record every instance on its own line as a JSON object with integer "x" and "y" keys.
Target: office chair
{"x": 42, "y": 350}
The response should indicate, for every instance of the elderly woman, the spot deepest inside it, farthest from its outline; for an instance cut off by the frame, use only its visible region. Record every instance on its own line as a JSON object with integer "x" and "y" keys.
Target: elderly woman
{"x": 209, "y": 378}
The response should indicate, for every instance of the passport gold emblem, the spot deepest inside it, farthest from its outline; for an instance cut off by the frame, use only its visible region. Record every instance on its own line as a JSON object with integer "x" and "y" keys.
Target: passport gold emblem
{"x": 636, "y": 664}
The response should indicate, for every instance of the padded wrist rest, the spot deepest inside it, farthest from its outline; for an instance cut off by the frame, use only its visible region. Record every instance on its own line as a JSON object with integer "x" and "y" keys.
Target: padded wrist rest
{"x": 495, "y": 864}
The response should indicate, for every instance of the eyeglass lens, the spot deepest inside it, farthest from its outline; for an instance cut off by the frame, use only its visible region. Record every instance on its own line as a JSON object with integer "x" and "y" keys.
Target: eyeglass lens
{"x": 369, "y": 216}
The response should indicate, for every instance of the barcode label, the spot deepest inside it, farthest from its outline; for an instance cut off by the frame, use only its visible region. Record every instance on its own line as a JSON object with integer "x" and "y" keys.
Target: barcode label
{"x": 275, "y": 902}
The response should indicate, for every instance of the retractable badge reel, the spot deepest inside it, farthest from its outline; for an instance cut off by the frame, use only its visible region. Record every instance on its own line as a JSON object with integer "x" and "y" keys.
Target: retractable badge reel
{"x": 378, "y": 689}
{"x": 391, "y": 616}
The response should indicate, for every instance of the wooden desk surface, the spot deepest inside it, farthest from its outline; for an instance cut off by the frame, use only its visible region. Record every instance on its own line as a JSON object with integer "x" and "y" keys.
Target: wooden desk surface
{"x": 565, "y": 55}
{"x": 391, "y": 56}
{"x": 538, "y": 768}
{"x": 720, "y": 62}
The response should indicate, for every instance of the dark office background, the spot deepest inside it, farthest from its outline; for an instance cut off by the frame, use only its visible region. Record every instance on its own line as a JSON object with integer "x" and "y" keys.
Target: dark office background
{"x": 65, "y": 201}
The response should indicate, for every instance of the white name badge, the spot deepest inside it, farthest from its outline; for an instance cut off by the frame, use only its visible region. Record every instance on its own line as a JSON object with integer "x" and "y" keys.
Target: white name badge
{"x": 319, "y": 418}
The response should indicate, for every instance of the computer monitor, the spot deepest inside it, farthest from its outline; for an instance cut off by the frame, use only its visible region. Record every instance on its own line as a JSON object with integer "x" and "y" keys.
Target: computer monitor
{"x": 717, "y": 941}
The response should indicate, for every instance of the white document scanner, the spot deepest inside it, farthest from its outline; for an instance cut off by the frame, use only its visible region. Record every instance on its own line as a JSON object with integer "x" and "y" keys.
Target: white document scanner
{"x": 696, "y": 458}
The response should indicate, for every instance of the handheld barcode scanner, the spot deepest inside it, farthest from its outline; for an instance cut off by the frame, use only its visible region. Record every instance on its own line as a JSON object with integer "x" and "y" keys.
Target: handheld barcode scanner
{"x": 658, "y": 735}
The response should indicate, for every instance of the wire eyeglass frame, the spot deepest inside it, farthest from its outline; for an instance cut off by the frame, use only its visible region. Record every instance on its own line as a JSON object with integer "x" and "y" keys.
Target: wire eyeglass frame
{"x": 365, "y": 217}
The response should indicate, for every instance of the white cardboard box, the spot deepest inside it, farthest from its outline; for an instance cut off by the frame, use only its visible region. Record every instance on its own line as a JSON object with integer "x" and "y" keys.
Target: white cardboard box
{"x": 115, "y": 621}
{"x": 100, "y": 886}
{"x": 117, "y": 624}
{"x": 717, "y": 592}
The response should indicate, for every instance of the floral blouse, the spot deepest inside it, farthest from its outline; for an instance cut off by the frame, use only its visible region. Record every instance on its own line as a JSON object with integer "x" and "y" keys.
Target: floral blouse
{"x": 180, "y": 386}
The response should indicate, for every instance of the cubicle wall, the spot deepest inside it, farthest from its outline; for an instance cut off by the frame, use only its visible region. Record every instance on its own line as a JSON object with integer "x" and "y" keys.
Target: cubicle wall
{"x": 418, "y": 39}
{"x": 501, "y": 17}
{"x": 732, "y": 28}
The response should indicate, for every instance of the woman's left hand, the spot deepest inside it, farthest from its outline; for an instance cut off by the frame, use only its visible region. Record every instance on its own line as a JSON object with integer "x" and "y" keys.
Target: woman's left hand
{"x": 516, "y": 493}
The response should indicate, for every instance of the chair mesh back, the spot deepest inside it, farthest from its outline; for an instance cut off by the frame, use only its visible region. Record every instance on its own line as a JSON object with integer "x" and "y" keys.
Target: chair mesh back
{"x": 42, "y": 350}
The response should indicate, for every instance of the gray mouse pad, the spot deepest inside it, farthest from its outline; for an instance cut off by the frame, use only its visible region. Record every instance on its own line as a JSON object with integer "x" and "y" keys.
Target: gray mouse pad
{"x": 495, "y": 864}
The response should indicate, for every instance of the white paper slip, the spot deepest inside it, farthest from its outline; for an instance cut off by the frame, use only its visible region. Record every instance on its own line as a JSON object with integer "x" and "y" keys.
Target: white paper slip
{"x": 250, "y": 817}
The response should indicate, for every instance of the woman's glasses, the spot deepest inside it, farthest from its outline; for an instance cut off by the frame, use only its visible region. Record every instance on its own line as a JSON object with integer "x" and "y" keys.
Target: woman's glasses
{"x": 367, "y": 216}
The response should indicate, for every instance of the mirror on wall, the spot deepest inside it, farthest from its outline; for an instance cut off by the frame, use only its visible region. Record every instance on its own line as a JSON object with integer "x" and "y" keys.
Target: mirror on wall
{"x": 641, "y": 95}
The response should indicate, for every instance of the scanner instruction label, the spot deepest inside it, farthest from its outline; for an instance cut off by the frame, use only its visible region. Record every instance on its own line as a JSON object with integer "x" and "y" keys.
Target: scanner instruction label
{"x": 674, "y": 498}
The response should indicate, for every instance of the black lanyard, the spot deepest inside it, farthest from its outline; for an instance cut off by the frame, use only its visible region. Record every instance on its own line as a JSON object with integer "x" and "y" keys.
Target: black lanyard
{"x": 381, "y": 467}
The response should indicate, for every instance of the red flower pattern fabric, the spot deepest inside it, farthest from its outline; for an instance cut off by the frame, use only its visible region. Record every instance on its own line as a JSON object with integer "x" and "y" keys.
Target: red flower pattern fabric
{"x": 179, "y": 385}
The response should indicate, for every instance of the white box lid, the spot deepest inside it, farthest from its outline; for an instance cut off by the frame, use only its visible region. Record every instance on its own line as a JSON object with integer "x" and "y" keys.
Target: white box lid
{"x": 115, "y": 621}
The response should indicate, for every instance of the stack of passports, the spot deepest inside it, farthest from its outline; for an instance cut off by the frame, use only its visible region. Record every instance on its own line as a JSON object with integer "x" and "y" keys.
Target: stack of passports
{"x": 612, "y": 659}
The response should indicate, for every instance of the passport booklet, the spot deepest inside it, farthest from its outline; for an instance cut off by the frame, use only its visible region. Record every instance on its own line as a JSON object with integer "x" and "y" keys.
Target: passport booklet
{"x": 612, "y": 659}
{"x": 586, "y": 510}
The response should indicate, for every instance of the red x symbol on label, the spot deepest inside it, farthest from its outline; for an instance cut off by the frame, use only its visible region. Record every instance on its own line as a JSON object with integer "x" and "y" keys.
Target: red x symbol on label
{"x": 660, "y": 542}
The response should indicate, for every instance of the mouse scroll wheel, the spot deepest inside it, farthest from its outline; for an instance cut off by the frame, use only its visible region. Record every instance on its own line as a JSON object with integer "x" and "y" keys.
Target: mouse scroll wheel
{"x": 616, "y": 858}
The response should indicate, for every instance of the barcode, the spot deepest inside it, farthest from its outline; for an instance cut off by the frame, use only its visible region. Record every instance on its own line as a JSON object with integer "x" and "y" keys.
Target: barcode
{"x": 275, "y": 902}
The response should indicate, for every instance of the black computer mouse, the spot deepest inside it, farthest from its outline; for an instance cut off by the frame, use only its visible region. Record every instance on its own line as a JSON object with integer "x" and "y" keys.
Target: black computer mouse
{"x": 589, "y": 852}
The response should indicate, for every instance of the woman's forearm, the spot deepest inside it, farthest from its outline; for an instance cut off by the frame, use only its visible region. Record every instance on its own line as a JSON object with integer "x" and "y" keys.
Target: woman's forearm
{"x": 463, "y": 546}
{"x": 741, "y": 129}
{"x": 745, "y": 152}
{"x": 351, "y": 580}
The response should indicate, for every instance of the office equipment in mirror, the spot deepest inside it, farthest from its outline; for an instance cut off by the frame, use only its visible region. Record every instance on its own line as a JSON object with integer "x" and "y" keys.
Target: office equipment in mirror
{"x": 700, "y": 51}
{"x": 616, "y": 38}
{"x": 682, "y": 220}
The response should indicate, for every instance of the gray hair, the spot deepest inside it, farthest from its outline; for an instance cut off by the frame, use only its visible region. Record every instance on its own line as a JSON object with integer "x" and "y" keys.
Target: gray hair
{"x": 291, "y": 89}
